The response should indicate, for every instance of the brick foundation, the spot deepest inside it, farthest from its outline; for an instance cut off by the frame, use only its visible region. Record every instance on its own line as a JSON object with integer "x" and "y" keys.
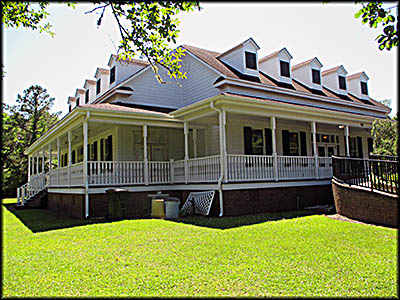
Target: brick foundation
{"x": 364, "y": 205}
{"x": 236, "y": 202}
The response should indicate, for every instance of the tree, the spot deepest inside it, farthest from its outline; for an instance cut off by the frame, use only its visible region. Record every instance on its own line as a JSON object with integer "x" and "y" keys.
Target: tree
{"x": 385, "y": 135}
{"x": 146, "y": 28}
{"x": 22, "y": 125}
{"x": 374, "y": 14}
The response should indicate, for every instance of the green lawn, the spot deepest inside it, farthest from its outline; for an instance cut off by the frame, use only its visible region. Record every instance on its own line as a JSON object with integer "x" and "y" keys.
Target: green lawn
{"x": 304, "y": 256}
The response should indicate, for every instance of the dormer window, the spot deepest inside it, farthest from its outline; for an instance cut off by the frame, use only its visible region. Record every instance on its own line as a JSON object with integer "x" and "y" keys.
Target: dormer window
{"x": 250, "y": 60}
{"x": 87, "y": 96}
{"x": 364, "y": 89}
{"x": 77, "y": 102}
{"x": 316, "y": 76}
{"x": 112, "y": 75}
{"x": 69, "y": 108}
{"x": 284, "y": 68}
{"x": 342, "y": 83}
{"x": 98, "y": 83}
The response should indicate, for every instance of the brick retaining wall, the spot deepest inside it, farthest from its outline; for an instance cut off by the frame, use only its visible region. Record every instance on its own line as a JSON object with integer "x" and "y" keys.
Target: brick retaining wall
{"x": 364, "y": 205}
{"x": 236, "y": 202}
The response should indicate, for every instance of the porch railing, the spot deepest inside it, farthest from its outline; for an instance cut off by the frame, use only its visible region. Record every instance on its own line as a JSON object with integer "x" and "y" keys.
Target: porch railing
{"x": 250, "y": 167}
{"x": 380, "y": 175}
{"x": 33, "y": 187}
{"x": 240, "y": 168}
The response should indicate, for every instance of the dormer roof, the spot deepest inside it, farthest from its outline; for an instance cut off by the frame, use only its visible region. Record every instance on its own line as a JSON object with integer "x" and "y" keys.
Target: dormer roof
{"x": 240, "y": 45}
{"x": 358, "y": 75}
{"x": 304, "y": 63}
{"x": 102, "y": 71}
{"x": 79, "y": 91}
{"x": 335, "y": 69}
{"x": 132, "y": 60}
{"x": 276, "y": 53}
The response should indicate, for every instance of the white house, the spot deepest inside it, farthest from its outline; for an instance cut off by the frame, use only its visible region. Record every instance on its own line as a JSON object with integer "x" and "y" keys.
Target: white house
{"x": 259, "y": 131}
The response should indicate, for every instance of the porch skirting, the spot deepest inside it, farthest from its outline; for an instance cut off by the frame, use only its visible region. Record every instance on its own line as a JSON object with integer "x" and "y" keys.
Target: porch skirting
{"x": 249, "y": 199}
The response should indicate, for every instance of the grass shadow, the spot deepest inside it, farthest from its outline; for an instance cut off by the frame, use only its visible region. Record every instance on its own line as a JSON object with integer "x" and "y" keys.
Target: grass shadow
{"x": 232, "y": 222}
{"x": 41, "y": 219}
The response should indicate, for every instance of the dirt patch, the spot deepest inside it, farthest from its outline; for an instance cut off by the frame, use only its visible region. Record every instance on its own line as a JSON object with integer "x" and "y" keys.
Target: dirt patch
{"x": 342, "y": 218}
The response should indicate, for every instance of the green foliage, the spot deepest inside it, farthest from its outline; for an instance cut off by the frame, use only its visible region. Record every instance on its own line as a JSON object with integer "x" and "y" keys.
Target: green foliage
{"x": 374, "y": 14}
{"x": 22, "y": 125}
{"x": 304, "y": 257}
{"x": 146, "y": 28}
{"x": 385, "y": 134}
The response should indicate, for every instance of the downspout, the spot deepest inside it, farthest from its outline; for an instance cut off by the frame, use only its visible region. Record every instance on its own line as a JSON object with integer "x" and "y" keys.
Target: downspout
{"x": 85, "y": 164}
{"x": 221, "y": 177}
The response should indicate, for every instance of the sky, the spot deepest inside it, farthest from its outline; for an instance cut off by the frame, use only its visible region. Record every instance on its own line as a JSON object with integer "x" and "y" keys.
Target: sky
{"x": 326, "y": 31}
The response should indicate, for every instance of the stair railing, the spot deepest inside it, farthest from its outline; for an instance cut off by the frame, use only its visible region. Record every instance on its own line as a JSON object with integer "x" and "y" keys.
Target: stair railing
{"x": 32, "y": 188}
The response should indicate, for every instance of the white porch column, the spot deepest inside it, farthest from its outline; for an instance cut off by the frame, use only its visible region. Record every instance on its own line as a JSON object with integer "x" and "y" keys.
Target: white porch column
{"x": 221, "y": 144}
{"x": 37, "y": 162}
{"x": 186, "y": 134}
{"x": 346, "y": 134}
{"x": 69, "y": 156}
{"x": 314, "y": 135}
{"x": 29, "y": 168}
{"x": 58, "y": 161}
{"x": 43, "y": 159}
{"x": 50, "y": 157}
{"x": 225, "y": 154}
{"x": 194, "y": 142}
{"x": 85, "y": 167}
{"x": 146, "y": 161}
{"x": 274, "y": 153}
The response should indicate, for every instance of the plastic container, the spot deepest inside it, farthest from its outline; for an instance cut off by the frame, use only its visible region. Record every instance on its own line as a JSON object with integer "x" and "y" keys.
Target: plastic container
{"x": 157, "y": 208}
{"x": 171, "y": 208}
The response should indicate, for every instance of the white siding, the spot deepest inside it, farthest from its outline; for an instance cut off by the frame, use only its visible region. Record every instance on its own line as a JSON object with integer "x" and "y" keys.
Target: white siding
{"x": 123, "y": 70}
{"x": 235, "y": 59}
{"x": 197, "y": 86}
{"x": 304, "y": 75}
{"x": 212, "y": 135}
{"x": 354, "y": 87}
{"x": 271, "y": 66}
{"x": 199, "y": 82}
{"x": 331, "y": 81}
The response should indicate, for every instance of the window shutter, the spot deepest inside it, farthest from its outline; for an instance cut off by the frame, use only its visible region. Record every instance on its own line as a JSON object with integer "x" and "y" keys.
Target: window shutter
{"x": 268, "y": 141}
{"x": 109, "y": 148}
{"x": 102, "y": 149}
{"x": 285, "y": 142}
{"x": 303, "y": 143}
{"x": 95, "y": 151}
{"x": 248, "y": 146}
{"x": 370, "y": 145}
{"x": 88, "y": 152}
{"x": 73, "y": 157}
{"x": 66, "y": 159}
{"x": 359, "y": 146}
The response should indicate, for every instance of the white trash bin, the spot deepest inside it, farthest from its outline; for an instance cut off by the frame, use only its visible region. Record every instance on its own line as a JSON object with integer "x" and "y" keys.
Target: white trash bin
{"x": 171, "y": 207}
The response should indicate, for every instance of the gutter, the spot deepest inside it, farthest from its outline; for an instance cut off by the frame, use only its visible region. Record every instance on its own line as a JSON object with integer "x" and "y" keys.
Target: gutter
{"x": 221, "y": 177}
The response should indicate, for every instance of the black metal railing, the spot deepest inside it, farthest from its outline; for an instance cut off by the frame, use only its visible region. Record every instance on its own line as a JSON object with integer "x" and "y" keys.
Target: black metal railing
{"x": 381, "y": 175}
{"x": 383, "y": 157}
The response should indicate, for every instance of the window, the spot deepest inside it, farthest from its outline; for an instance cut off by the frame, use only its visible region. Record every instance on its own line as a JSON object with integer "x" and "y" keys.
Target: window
{"x": 293, "y": 143}
{"x": 98, "y": 83}
{"x": 342, "y": 83}
{"x": 250, "y": 60}
{"x": 87, "y": 96}
{"x": 77, "y": 102}
{"x": 285, "y": 68}
{"x": 316, "y": 76}
{"x": 69, "y": 108}
{"x": 112, "y": 75}
{"x": 364, "y": 89}
{"x": 73, "y": 157}
{"x": 257, "y": 141}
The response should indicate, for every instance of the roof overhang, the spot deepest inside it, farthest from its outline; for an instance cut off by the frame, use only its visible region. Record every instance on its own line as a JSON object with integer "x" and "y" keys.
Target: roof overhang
{"x": 270, "y": 88}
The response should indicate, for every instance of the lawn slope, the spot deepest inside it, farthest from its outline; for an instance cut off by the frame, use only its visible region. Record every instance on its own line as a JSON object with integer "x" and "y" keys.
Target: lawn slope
{"x": 306, "y": 256}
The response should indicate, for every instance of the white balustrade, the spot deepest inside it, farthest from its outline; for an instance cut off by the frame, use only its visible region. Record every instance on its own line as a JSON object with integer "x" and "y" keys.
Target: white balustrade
{"x": 296, "y": 167}
{"x": 250, "y": 167}
{"x": 178, "y": 171}
{"x": 204, "y": 169}
{"x": 325, "y": 167}
{"x": 159, "y": 172}
{"x": 33, "y": 187}
{"x": 115, "y": 172}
